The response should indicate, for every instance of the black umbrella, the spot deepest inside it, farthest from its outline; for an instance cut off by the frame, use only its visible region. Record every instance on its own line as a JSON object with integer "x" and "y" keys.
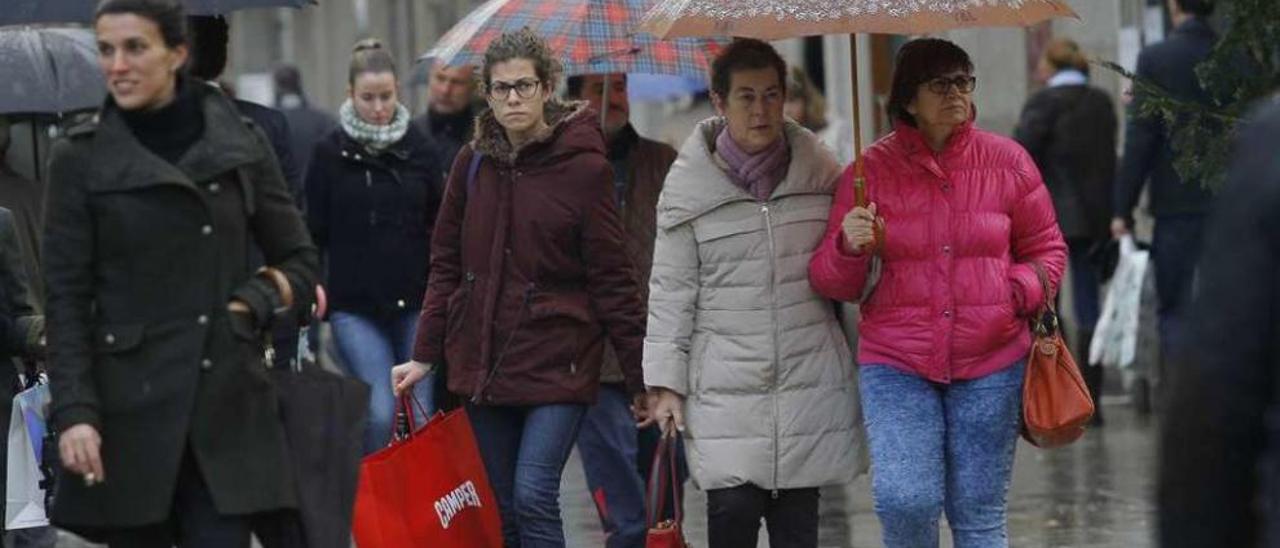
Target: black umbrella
{"x": 49, "y": 70}
{"x": 21, "y": 12}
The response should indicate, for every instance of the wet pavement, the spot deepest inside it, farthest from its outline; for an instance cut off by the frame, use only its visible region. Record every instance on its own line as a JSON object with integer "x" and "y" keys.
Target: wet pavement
{"x": 1096, "y": 493}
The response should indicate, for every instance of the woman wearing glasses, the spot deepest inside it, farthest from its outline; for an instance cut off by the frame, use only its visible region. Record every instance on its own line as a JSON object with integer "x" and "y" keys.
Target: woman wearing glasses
{"x": 529, "y": 275}
{"x": 373, "y": 189}
{"x": 944, "y": 335}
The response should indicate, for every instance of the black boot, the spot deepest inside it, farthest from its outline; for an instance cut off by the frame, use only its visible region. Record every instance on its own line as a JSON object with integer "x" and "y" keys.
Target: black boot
{"x": 1092, "y": 374}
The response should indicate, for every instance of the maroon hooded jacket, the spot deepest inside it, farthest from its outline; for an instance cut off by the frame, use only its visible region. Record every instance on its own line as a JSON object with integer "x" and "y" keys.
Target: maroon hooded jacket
{"x": 529, "y": 270}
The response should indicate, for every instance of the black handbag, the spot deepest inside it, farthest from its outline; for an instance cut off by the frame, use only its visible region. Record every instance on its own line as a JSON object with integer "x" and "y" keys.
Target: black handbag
{"x": 324, "y": 416}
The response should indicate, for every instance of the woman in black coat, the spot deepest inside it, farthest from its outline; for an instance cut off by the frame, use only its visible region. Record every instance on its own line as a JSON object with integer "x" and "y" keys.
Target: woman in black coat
{"x": 373, "y": 189}
{"x": 1070, "y": 129}
{"x": 168, "y": 421}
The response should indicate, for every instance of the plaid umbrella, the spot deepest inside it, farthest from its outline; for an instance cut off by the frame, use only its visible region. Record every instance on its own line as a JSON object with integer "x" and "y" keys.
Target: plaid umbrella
{"x": 591, "y": 36}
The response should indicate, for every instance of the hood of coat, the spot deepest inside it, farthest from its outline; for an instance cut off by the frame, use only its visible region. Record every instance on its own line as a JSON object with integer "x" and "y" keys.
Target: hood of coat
{"x": 571, "y": 129}
{"x": 698, "y": 184}
{"x": 227, "y": 143}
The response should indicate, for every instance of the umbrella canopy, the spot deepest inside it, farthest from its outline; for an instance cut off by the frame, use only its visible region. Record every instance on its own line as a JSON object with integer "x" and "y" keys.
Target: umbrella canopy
{"x": 49, "y": 70}
{"x": 591, "y": 36}
{"x": 777, "y": 19}
{"x": 24, "y": 12}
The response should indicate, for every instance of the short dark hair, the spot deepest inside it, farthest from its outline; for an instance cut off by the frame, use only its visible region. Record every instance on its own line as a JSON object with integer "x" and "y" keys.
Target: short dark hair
{"x": 209, "y": 35}
{"x": 573, "y": 84}
{"x": 918, "y": 62}
{"x": 745, "y": 54}
{"x": 369, "y": 55}
{"x": 166, "y": 14}
{"x": 523, "y": 44}
{"x": 1201, "y": 8}
{"x": 288, "y": 80}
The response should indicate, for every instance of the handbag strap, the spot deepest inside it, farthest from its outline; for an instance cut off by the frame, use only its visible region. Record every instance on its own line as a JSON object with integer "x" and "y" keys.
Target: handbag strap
{"x": 658, "y": 481}
{"x": 404, "y": 407}
{"x": 1046, "y": 323}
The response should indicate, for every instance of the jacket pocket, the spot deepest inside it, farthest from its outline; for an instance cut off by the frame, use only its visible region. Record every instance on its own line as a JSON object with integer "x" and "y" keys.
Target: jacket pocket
{"x": 117, "y": 338}
{"x": 563, "y": 320}
{"x": 459, "y": 303}
{"x": 712, "y": 228}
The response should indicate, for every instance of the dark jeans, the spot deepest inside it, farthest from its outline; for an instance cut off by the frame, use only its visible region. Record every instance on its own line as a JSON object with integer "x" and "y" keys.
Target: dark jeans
{"x": 734, "y": 514}
{"x": 194, "y": 522}
{"x": 1085, "y": 284}
{"x": 524, "y": 451}
{"x": 607, "y": 444}
{"x": 1175, "y": 250}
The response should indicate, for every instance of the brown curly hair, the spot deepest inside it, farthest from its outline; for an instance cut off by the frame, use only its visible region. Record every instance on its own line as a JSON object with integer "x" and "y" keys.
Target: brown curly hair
{"x": 523, "y": 44}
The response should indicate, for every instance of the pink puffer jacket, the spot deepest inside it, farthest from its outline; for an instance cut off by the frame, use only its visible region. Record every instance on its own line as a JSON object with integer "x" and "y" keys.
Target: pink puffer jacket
{"x": 963, "y": 228}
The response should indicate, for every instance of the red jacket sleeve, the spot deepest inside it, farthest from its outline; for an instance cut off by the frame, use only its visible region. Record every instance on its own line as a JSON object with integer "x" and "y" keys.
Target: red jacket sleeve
{"x": 832, "y": 272}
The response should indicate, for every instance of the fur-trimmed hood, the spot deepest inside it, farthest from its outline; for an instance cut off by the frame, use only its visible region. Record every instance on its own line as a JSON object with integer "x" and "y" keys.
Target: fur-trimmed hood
{"x": 571, "y": 129}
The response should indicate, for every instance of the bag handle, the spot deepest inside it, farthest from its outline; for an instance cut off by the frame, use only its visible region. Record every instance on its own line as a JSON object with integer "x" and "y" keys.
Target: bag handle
{"x": 404, "y": 407}
{"x": 657, "y": 480}
{"x": 1047, "y": 323}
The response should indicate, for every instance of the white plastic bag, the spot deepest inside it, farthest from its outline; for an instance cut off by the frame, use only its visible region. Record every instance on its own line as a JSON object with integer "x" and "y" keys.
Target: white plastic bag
{"x": 1115, "y": 340}
{"x": 24, "y": 498}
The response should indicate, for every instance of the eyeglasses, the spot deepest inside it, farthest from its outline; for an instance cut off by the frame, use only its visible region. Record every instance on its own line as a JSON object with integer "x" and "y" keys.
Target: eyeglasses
{"x": 500, "y": 91}
{"x": 963, "y": 84}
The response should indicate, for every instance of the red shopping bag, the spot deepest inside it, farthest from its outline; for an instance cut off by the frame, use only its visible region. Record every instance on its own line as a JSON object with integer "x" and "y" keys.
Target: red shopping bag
{"x": 669, "y": 533}
{"x": 428, "y": 489}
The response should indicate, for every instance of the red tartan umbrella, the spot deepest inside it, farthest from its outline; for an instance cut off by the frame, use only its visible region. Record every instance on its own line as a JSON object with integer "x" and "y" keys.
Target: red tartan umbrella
{"x": 591, "y": 36}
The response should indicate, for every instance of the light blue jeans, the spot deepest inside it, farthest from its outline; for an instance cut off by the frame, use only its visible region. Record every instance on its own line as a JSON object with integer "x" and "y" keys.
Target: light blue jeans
{"x": 370, "y": 347}
{"x": 936, "y": 447}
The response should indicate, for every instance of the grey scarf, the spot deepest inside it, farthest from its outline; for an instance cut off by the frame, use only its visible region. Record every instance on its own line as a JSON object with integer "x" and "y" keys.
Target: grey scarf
{"x": 374, "y": 137}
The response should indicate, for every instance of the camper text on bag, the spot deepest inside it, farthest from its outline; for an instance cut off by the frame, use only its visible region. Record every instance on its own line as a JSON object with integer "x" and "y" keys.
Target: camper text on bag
{"x": 457, "y": 500}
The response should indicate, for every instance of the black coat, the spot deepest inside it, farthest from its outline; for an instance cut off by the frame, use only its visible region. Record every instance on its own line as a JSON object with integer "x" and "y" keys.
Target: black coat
{"x": 307, "y": 126}
{"x": 447, "y": 134}
{"x": 25, "y": 199}
{"x": 1148, "y": 152}
{"x": 1221, "y": 429}
{"x": 1070, "y": 131}
{"x": 275, "y": 126}
{"x": 20, "y": 327}
{"x": 372, "y": 216}
{"x": 141, "y": 259}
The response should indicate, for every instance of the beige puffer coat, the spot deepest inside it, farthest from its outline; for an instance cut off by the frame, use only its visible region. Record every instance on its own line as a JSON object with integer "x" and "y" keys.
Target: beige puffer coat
{"x": 770, "y": 384}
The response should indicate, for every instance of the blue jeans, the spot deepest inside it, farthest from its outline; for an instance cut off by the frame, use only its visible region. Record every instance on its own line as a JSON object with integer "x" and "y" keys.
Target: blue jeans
{"x": 941, "y": 446}
{"x": 607, "y": 445}
{"x": 524, "y": 451}
{"x": 370, "y": 347}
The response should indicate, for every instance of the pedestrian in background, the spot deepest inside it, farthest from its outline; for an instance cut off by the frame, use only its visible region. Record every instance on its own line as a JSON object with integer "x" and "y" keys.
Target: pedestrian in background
{"x": 450, "y": 119}
{"x": 307, "y": 124}
{"x": 529, "y": 277}
{"x": 24, "y": 198}
{"x": 944, "y": 336}
{"x": 1219, "y": 464}
{"x": 807, "y": 106}
{"x": 611, "y": 448}
{"x": 1179, "y": 206}
{"x": 1069, "y": 128}
{"x": 742, "y": 356}
{"x": 168, "y": 425}
{"x": 373, "y": 190}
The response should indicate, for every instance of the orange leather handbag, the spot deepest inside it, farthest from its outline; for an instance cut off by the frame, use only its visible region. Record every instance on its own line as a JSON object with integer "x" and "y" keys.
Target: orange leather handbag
{"x": 668, "y": 533}
{"x": 1055, "y": 402}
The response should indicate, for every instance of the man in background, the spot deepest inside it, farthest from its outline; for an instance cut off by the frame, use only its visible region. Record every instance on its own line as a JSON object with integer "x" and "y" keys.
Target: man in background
{"x": 450, "y": 117}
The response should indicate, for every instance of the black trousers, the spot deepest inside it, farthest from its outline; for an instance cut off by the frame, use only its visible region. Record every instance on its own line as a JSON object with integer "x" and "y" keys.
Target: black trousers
{"x": 734, "y": 514}
{"x": 194, "y": 522}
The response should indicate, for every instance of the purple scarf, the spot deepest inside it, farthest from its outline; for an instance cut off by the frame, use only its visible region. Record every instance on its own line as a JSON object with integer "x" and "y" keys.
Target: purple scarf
{"x": 758, "y": 173}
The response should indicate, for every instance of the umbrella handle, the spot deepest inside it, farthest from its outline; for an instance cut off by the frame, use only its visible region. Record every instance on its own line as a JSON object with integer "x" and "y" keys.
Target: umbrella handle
{"x": 860, "y": 200}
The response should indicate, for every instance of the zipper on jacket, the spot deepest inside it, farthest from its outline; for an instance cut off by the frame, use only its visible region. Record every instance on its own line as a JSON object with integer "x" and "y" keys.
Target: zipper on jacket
{"x": 502, "y": 353}
{"x": 777, "y": 354}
